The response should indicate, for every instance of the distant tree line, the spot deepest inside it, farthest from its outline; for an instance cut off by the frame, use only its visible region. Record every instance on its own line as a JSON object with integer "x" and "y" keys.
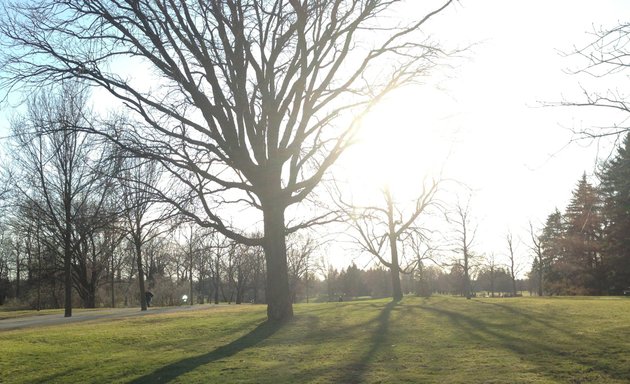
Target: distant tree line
{"x": 585, "y": 250}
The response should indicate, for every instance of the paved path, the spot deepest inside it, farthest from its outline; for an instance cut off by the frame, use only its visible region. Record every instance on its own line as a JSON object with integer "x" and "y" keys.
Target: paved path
{"x": 99, "y": 314}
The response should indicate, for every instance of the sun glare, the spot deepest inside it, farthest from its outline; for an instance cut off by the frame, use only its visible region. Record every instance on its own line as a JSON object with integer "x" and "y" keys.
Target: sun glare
{"x": 398, "y": 146}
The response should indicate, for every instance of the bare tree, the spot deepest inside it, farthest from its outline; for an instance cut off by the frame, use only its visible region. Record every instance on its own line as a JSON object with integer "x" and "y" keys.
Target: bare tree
{"x": 143, "y": 214}
{"x": 379, "y": 228}
{"x": 59, "y": 174}
{"x": 491, "y": 265}
{"x": 299, "y": 253}
{"x": 422, "y": 252}
{"x": 512, "y": 267}
{"x": 465, "y": 238}
{"x": 606, "y": 56}
{"x": 255, "y": 99}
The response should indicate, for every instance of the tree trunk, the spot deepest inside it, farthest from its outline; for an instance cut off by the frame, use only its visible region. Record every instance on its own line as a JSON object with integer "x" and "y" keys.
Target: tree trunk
{"x": 113, "y": 276}
{"x": 514, "y": 292}
{"x": 540, "y": 278}
{"x": 279, "y": 306}
{"x": 190, "y": 251}
{"x": 90, "y": 296}
{"x": 395, "y": 269}
{"x": 191, "y": 286}
{"x": 17, "y": 274}
{"x": 143, "y": 300}
{"x": 397, "y": 293}
{"x": 39, "y": 276}
{"x": 466, "y": 275}
{"x": 67, "y": 272}
{"x": 217, "y": 280}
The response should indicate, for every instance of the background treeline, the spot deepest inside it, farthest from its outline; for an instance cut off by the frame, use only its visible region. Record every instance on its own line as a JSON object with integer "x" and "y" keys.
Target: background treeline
{"x": 585, "y": 250}
{"x": 86, "y": 223}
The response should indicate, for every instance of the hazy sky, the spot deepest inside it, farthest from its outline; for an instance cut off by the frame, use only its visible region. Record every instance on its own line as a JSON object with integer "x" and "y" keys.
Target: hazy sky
{"x": 479, "y": 119}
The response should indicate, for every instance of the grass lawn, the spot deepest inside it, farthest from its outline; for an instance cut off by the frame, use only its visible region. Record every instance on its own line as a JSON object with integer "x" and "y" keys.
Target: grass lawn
{"x": 434, "y": 340}
{"x": 18, "y": 313}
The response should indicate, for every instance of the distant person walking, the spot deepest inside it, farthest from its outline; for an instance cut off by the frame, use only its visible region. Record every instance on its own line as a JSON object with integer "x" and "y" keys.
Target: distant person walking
{"x": 148, "y": 296}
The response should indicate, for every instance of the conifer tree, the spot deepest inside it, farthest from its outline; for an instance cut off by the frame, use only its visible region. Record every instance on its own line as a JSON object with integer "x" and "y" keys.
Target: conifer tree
{"x": 615, "y": 189}
{"x": 552, "y": 244}
{"x": 586, "y": 271}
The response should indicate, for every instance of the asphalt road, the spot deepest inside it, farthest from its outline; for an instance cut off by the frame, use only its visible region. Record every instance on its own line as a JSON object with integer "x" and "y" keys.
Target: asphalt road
{"x": 100, "y": 314}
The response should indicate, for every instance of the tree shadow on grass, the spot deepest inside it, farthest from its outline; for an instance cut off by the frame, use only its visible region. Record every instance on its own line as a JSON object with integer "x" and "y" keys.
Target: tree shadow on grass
{"x": 176, "y": 369}
{"x": 538, "y": 350}
{"x": 356, "y": 370}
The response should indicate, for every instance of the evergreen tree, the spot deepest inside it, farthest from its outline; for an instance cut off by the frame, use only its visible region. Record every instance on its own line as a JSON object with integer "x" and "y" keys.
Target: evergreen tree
{"x": 583, "y": 233}
{"x": 615, "y": 189}
{"x": 552, "y": 243}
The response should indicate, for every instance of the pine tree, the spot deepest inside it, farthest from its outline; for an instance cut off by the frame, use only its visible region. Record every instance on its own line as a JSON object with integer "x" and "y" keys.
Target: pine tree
{"x": 583, "y": 233}
{"x": 552, "y": 242}
{"x": 615, "y": 189}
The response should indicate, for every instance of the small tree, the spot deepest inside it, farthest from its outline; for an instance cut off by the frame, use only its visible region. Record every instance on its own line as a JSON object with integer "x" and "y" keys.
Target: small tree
{"x": 538, "y": 265}
{"x": 465, "y": 233}
{"x": 512, "y": 264}
{"x": 379, "y": 228}
{"x": 143, "y": 214}
{"x": 491, "y": 267}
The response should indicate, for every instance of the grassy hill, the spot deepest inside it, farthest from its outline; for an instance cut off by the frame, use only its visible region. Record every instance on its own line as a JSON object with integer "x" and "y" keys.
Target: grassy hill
{"x": 434, "y": 340}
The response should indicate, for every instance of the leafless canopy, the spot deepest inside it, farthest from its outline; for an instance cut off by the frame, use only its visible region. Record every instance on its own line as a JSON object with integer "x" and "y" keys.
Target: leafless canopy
{"x": 607, "y": 56}
{"x": 249, "y": 100}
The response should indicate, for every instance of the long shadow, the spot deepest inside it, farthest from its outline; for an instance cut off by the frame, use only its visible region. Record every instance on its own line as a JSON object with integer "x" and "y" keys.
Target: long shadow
{"x": 526, "y": 347}
{"x": 172, "y": 371}
{"x": 354, "y": 372}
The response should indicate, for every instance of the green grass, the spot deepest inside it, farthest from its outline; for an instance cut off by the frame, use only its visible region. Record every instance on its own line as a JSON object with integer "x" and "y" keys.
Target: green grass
{"x": 8, "y": 313}
{"x": 435, "y": 340}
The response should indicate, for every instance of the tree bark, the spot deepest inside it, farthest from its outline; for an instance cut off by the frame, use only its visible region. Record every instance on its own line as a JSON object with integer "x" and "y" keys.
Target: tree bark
{"x": 67, "y": 259}
{"x": 113, "y": 280}
{"x": 279, "y": 306}
{"x": 393, "y": 237}
{"x": 143, "y": 300}
{"x": 540, "y": 278}
{"x": 397, "y": 293}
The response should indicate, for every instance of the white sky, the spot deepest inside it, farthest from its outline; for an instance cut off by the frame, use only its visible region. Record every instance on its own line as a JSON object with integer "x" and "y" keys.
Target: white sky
{"x": 480, "y": 122}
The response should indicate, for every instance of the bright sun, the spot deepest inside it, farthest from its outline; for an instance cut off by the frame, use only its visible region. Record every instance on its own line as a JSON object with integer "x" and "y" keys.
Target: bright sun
{"x": 399, "y": 146}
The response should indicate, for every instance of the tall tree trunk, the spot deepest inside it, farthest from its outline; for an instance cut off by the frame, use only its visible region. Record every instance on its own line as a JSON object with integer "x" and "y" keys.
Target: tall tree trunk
{"x": 540, "y": 278}
{"x": 192, "y": 300}
{"x": 90, "y": 295}
{"x": 306, "y": 284}
{"x": 217, "y": 280}
{"x": 67, "y": 267}
{"x": 514, "y": 286}
{"x": 39, "y": 275}
{"x": 279, "y": 306}
{"x": 17, "y": 274}
{"x": 397, "y": 293}
{"x": 466, "y": 275}
{"x": 113, "y": 280}
{"x": 395, "y": 269}
{"x": 143, "y": 300}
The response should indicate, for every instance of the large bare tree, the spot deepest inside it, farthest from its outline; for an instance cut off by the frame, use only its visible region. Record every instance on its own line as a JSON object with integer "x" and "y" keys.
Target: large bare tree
{"x": 251, "y": 101}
